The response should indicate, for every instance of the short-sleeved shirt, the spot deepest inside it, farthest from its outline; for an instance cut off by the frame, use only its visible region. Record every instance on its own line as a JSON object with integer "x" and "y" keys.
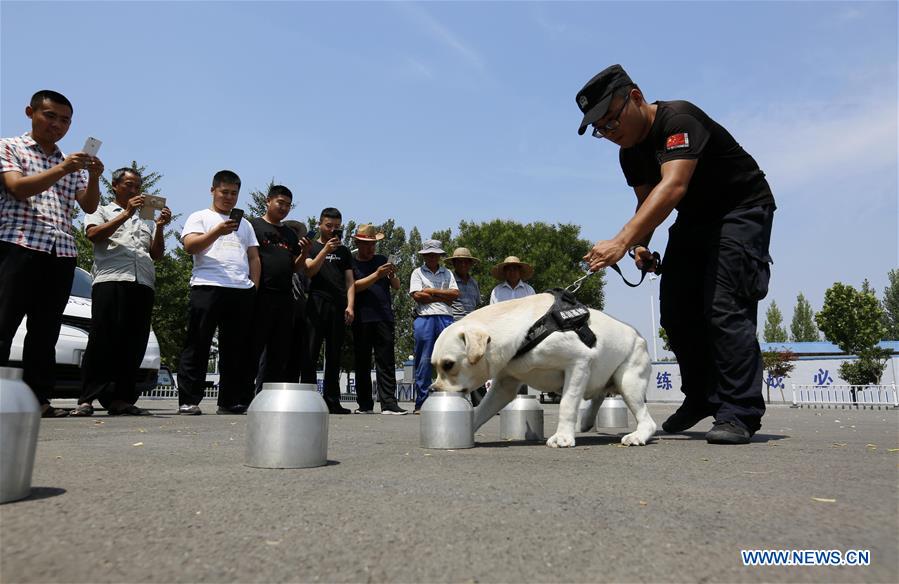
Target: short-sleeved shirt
{"x": 726, "y": 176}
{"x": 125, "y": 256}
{"x": 279, "y": 247}
{"x": 374, "y": 304}
{"x": 42, "y": 222}
{"x": 225, "y": 262}
{"x": 505, "y": 292}
{"x": 469, "y": 297}
{"x": 423, "y": 278}
{"x": 330, "y": 281}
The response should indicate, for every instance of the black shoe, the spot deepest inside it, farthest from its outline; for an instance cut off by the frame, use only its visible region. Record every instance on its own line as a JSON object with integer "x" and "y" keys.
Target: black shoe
{"x": 727, "y": 433}
{"x": 131, "y": 410}
{"x": 685, "y": 418}
{"x": 338, "y": 410}
{"x": 237, "y": 410}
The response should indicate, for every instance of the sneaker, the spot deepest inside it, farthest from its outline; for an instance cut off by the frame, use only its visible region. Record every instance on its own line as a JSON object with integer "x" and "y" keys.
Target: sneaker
{"x": 361, "y": 411}
{"x": 416, "y": 412}
{"x": 189, "y": 410}
{"x": 727, "y": 433}
{"x": 340, "y": 410}
{"x": 394, "y": 411}
{"x": 685, "y": 418}
{"x": 237, "y": 410}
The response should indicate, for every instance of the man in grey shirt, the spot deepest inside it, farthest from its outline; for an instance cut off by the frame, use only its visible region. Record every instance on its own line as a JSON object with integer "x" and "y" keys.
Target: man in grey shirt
{"x": 125, "y": 248}
{"x": 469, "y": 296}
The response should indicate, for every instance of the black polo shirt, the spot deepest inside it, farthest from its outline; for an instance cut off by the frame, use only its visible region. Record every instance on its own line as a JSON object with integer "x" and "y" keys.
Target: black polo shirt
{"x": 726, "y": 176}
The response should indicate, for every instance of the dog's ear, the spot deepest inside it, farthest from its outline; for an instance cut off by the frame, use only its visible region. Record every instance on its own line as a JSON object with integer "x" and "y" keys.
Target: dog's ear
{"x": 476, "y": 340}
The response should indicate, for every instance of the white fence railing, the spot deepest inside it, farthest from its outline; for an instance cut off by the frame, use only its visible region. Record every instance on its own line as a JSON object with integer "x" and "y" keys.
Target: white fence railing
{"x": 862, "y": 396}
{"x": 404, "y": 392}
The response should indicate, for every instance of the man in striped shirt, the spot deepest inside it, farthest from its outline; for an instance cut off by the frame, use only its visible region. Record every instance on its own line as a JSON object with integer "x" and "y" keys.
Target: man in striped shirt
{"x": 39, "y": 189}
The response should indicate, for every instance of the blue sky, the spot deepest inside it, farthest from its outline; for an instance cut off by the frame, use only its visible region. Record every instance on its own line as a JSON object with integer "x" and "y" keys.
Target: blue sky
{"x": 431, "y": 113}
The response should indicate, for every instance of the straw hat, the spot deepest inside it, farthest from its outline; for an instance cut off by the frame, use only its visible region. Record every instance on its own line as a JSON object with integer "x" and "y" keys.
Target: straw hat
{"x": 366, "y": 232}
{"x": 526, "y": 269}
{"x": 461, "y": 253}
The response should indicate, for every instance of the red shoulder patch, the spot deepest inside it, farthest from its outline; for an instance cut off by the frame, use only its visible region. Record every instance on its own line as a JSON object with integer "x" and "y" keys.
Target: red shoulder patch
{"x": 676, "y": 141}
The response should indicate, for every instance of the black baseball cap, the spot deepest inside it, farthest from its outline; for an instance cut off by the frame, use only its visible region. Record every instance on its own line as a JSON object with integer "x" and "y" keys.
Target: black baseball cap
{"x": 595, "y": 96}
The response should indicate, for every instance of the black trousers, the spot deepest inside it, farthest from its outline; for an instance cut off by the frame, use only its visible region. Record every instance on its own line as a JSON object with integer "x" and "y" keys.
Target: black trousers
{"x": 716, "y": 271}
{"x": 120, "y": 327}
{"x": 272, "y": 331}
{"x": 377, "y": 336}
{"x": 36, "y": 285}
{"x": 299, "y": 360}
{"x": 231, "y": 311}
{"x": 328, "y": 327}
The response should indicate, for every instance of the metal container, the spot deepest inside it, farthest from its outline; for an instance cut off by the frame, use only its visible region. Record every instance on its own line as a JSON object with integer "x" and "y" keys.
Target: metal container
{"x": 447, "y": 421}
{"x": 583, "y": 410}
{"x": 20, "y": 419}
{"x": 287, "y": 427}
{"x": 612, "y": 413}
{"x": 521, "y": 419}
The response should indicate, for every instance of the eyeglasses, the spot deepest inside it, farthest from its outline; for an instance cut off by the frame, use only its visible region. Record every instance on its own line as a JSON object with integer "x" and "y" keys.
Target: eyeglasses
{"x": 613, "y": 124}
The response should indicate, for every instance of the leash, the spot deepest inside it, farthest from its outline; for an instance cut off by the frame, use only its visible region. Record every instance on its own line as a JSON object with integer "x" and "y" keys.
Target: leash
{"x": 656, "y": 263}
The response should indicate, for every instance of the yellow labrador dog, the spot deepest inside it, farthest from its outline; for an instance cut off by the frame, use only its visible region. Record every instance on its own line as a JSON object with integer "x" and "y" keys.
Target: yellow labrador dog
{"x": 482, "y": 345}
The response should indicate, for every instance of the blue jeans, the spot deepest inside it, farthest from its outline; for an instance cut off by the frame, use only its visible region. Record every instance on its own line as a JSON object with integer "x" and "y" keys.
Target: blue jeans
{"x": 426, "y": 329}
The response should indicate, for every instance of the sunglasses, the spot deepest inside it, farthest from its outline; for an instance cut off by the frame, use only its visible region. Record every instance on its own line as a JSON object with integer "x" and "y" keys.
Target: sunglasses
{"x": 613, "y": 124}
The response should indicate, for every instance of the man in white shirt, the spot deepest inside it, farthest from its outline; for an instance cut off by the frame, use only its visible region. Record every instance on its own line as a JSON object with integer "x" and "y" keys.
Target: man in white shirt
{"x": 512, "y": 271}
{"x": 434, "y": 290}
{"x": 222, "y": 294}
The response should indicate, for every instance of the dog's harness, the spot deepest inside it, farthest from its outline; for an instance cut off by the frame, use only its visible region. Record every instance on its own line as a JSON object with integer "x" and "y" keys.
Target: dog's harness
{"x": 565, "y": 314}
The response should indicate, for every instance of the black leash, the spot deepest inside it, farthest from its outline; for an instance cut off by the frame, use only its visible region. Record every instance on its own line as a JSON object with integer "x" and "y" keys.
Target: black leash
{"x": 656, "y": 263}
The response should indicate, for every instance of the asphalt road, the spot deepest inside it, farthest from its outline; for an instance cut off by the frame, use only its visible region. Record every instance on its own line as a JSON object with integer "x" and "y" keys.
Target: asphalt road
{"x": 168, "y": 499}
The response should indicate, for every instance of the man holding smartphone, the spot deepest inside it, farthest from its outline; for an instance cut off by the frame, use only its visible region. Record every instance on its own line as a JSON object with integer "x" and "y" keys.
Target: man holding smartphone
{"x": 331, "y": 303}
{"x": 39, "y": 191}
{"x": 222, "y": 293}
{"x": 373, "y": 327}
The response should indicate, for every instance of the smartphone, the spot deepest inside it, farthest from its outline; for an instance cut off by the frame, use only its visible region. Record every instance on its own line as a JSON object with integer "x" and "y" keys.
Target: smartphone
{"x": 338, "y": 233}
{"x": 311, "y": 234}
{"x": 393, "y": 259}
{"x": 91, "y": 146}
{"x": 236, "y": 215}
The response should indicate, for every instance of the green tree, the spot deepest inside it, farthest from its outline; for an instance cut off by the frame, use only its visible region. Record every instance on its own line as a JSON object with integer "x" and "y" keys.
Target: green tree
{"x": 891, "y": 306}
{"x": 853, "y": 321}
{"x": 256, "y": 205}
{"x": 774, "y": 329}
{"x": 778, "y": 364}
{"x": 802, "y": 327}
{"x": 173, "y": 272}
{"x": 663, "y": 334}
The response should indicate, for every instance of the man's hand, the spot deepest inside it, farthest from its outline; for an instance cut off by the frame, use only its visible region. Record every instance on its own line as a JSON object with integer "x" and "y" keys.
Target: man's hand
{"x": 643, "y": 257}
{"x": 94, "y": 167}
{"x": 331, "y": 245}
{"x": 386, "y": 271}
{"x": 224, "y": 228}
{"x": 134, "y": 203}
{"x": 75, "y": 162}
{"x": 348, "y": 315}
{"x": 165, "y": 216}
{"x": 604, "y": 254}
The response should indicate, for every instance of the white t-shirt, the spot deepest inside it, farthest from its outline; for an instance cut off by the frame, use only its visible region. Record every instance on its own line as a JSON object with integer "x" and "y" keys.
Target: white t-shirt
{"x": 225, "y": 262}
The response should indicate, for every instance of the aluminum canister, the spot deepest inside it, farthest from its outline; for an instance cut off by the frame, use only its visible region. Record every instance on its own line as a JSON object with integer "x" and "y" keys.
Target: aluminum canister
{"x": 447, "y": 421}
{"x": 521, "y": 419}
{"x": 287, "y": 427}
{"x": 612, "y": 413}
{"x": 20, "y": 419}
{"x": 583, "y": 410}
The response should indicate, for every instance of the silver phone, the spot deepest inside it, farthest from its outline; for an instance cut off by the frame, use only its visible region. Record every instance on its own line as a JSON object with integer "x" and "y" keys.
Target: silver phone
{"x": 91, "y": 146}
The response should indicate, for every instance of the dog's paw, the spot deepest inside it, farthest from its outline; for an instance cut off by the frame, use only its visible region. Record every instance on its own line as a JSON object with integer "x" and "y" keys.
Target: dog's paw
{"x": 559, "y": 440}
{"x": 634, "y": 439}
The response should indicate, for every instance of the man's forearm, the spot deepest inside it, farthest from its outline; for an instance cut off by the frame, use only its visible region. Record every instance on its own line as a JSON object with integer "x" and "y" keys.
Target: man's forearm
{"x": 196, "y": 242}
{"x": 157, "y": 248}
{"x": 102, "y": 232}
{"x": 651, "y": 213}
{"x": 91, "y": 197}
{"x": 23, "y": 187}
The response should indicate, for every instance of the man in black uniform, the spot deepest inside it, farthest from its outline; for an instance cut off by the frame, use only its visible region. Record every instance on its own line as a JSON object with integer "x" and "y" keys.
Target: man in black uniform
{"x": 331, "y": 304}
{"x": 281, "y": 254}
{"x": 716, "y": 262}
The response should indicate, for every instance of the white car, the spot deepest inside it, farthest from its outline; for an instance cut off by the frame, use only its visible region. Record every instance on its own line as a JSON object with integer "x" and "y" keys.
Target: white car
{"x": 72, "y": 341}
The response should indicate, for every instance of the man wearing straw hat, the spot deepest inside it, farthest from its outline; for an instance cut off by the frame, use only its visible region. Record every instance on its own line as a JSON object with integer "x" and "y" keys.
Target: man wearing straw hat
{"x": 512, "y": 271}
{"x": 373, "y": 327}
{"x": 434, "y": 290}
{"x": 469, "y": 295}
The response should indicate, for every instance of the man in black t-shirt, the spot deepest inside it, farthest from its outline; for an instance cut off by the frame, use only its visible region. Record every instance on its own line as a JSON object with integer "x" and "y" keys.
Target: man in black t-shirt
{"x": 716, "y": 262}
{"x": 373, "y": 327}
{"x": 281, "y": 253}
{"x": 331, "y": 303}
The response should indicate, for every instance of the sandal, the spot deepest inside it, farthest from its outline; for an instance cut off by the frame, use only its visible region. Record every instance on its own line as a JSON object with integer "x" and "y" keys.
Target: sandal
{"x": 128, "y": 411}
{"x": 52, "y": 412}
{"x": 83, "y": 410}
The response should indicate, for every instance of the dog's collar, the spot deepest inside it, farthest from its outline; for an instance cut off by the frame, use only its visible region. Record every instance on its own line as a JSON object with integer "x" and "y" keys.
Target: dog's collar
{"x": 567, "y": 313}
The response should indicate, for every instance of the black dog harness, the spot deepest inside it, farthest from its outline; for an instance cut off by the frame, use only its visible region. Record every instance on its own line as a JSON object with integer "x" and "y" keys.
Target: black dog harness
{"x": 565, "y": 314}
